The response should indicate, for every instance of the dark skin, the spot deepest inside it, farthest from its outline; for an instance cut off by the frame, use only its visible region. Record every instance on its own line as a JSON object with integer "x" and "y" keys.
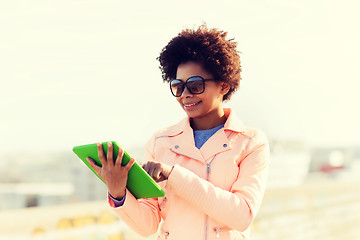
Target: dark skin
{"x": 115, "y": 176}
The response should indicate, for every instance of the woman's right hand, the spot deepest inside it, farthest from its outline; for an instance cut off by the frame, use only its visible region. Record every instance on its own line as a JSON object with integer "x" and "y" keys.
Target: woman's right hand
{"x": 114, "y": 175}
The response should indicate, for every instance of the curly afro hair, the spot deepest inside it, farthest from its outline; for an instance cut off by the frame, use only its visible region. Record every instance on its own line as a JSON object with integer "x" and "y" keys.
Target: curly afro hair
{"x": 208, "y": 47}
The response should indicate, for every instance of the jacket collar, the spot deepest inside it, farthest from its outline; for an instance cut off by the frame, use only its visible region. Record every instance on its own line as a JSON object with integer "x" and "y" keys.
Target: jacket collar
{"x": 183, "y": 138}
{"x": 232, "y": 123}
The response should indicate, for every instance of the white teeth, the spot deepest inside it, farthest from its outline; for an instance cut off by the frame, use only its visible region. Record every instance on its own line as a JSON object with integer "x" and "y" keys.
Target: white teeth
{"x": 189, "y": 105}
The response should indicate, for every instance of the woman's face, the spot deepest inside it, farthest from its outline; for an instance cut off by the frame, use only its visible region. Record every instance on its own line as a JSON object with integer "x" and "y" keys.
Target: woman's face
{"x": 206, "y": 104}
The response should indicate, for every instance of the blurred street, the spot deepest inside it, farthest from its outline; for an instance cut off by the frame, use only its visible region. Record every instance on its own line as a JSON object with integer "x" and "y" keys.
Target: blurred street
{"x": 326, "y": 209}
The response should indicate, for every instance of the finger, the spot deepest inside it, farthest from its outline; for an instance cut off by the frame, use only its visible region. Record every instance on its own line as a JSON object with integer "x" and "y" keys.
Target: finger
{"x": 119, "y": 157}
{"x": 101, "y": 154}
{"x": 129, "y": 165}
{"x": 161, "y": 178}
{"x": 93, "y": 165}
{"x": 156, "y": 173}
{"x": 149, "y": 168}
{"x": 146, "y": 167}
{"x": 110, "y": 153}
{"x": 152, "y": 170}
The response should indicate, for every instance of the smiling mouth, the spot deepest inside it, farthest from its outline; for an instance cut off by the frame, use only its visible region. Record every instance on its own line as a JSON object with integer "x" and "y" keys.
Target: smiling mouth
{"x": 191, "y": 104}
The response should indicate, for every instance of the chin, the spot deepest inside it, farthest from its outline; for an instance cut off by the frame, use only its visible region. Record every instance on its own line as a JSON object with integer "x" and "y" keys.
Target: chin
{"x": 193, "y": 114}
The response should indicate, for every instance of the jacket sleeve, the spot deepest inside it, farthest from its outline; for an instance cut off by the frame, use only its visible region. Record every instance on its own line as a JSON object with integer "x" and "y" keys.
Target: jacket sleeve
{"x": 142, "y": 215}
{"x": 235, "y": 208}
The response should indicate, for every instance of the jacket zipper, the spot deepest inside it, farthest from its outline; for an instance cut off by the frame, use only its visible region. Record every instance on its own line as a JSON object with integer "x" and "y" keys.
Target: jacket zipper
{"x": 219, "y": 229}
{"x": 162, "y": 203}
{"x": 207, "y": 179}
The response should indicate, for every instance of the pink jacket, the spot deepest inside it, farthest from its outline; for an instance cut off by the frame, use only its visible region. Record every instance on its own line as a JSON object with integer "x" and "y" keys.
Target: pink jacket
{"x": 212, "y": 193}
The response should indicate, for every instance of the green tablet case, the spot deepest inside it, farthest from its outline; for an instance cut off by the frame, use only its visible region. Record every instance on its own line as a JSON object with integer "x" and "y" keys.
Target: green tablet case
{"x": 139, "y": 183}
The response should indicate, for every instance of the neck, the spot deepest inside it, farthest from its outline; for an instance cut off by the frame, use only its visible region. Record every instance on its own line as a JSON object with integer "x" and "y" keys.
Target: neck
{"x": 212, "y": 120}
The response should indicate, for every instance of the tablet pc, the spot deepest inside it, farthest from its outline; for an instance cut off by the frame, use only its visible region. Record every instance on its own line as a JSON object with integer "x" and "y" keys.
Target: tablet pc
{"x": 139, "y": 182}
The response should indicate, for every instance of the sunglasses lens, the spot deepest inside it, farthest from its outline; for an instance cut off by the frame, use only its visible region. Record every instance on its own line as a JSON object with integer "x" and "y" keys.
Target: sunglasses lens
{"x": 177, "y": 87}
{"x": 195, "y": 85}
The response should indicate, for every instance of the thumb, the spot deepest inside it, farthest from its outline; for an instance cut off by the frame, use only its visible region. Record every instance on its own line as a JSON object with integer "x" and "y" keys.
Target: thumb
{"x": 93, "y": 165}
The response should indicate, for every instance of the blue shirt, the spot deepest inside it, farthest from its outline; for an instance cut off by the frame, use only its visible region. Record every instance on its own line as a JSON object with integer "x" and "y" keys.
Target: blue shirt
{"x": 201, "y": 136}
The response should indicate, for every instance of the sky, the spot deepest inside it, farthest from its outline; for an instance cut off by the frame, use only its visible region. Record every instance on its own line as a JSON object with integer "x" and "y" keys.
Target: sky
{"x": 74, "y": 72}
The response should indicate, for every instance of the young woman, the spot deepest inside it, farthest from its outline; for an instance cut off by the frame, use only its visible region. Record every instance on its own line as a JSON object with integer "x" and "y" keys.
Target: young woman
{"x": 212, "y": 167}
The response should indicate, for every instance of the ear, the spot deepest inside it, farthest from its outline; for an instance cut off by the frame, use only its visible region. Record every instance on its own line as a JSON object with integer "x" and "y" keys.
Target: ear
{"x": 225, "y": 87}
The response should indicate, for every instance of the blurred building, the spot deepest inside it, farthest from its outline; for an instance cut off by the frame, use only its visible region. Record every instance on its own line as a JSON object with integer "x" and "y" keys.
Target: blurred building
{"x": 20, "y": 195}
{"x": 339, "y": 162}
{"x": 40, "y": 180}
{"x": 289, "y": 163}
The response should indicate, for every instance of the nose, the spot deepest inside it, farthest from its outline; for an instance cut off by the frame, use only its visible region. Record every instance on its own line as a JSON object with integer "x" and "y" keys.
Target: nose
{"x": 186, "y": 93}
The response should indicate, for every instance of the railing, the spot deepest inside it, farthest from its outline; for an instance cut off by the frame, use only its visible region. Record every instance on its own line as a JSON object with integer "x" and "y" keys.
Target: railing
{"x": 322, "y": 210}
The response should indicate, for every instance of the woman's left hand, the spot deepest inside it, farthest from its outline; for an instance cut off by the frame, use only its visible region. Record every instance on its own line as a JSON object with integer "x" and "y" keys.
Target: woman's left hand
{"x": 158, "y": 171}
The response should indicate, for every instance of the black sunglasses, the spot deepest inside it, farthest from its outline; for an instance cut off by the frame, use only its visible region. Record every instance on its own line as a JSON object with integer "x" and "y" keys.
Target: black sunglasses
{"x": 195, "y": 85}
